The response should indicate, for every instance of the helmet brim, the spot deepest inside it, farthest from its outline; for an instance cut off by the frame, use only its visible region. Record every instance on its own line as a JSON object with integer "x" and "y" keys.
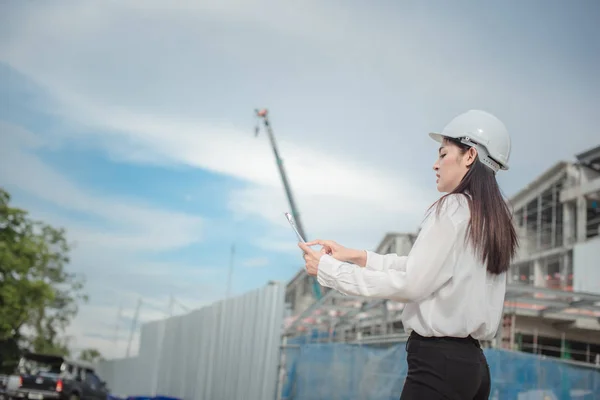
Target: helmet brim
{"x": 437, "y": 137}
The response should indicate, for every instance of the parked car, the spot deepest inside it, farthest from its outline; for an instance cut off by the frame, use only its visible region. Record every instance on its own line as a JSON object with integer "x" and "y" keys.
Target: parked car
{"x": 3, "y": 382}
{"x": 43, "y": 376}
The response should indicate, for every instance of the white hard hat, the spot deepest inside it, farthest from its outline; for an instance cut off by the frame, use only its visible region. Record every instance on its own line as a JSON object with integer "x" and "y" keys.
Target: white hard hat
{"x": 483, "y": 131}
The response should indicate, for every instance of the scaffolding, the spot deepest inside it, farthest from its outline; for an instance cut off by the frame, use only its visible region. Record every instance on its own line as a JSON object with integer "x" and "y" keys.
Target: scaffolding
{"x": 348, "y": 318}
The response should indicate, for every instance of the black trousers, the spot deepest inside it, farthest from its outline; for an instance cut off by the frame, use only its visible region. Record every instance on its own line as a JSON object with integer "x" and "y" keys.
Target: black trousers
{"x": 445, "y": 368}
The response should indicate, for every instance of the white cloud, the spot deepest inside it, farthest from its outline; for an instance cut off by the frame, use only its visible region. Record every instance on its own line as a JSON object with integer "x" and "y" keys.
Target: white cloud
{"x": 363, "y": 76}
{"x": 340, "y": 196}
{"x": 255, "y": 262}
{"x": 323, "y": 176}
{"x": 133, "y": 224}
{"x": 371, "y": 78}
{"x": 353, "y": 220}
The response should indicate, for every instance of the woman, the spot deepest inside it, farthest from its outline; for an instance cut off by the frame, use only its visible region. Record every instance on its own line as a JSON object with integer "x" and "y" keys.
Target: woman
{"x": 454, "y": 278}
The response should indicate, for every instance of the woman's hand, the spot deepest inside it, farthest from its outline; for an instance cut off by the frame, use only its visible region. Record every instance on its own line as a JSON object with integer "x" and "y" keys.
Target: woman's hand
{"x": 311, "y": 258}
{"x": 340, "y": 252}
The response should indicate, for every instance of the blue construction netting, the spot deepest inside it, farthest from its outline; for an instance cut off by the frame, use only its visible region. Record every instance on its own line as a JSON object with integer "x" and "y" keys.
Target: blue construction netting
{"x": 341, "y": 371}
{"x": 146, "y": 398}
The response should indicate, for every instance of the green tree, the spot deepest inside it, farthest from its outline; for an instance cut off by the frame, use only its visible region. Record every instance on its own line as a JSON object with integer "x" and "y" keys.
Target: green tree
{"x": 90, "y": 355}
{"x": 36, "y": 291}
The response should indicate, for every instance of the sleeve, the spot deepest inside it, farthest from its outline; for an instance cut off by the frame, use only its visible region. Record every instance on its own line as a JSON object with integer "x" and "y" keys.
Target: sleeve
{"x": 410, "y": 279}
{"x": 379, "y": 262}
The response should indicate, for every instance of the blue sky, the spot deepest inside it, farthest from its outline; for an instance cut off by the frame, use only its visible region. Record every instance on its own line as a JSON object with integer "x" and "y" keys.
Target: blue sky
{"x": 131, "y": 125}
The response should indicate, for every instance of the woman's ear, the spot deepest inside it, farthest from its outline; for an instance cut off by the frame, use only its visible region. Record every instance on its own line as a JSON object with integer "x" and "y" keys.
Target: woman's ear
{"x": 471, "y": 156}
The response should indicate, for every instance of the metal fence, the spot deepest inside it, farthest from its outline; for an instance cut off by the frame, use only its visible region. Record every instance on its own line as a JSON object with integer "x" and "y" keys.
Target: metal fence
{"x": 229, "y": 350}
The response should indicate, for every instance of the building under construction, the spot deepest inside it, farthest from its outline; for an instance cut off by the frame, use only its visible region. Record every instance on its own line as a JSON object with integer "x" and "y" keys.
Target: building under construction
{"x": 552, "y": 304}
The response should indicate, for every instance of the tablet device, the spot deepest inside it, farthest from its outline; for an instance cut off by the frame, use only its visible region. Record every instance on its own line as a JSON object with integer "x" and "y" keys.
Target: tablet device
{"x": 293, "y": 225}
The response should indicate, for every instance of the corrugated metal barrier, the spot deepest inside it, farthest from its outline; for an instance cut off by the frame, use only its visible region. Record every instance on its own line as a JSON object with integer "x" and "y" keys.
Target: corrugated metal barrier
{"x": 229, "y": 350}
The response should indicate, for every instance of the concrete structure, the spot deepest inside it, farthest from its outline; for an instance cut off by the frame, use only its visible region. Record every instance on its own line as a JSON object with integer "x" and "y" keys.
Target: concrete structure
{"x": 558, "y": 218}
{"x": 556, "y": 215}
{"x": 553, "y": 299}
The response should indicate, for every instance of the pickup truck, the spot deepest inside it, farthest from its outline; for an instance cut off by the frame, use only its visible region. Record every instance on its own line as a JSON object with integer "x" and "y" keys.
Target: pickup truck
{"x": 43, "y": 376}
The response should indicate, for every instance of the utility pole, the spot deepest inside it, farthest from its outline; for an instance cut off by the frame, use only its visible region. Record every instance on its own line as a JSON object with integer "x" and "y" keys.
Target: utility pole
{"x": 263, "y": 114}
{"x": 117, "y": 323}
{"x": 183, "y": 306}
{"x": 133, "y": 324}
{"x": 230, "y": 274}
{"x": 171, "y": 304}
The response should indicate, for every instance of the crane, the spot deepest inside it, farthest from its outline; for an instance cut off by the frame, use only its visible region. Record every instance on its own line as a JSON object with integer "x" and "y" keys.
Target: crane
{"x": 263, "y": 114}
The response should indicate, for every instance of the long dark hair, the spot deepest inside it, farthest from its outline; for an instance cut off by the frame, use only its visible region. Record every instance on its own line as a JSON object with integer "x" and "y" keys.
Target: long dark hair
{"x": 491, "y": 229}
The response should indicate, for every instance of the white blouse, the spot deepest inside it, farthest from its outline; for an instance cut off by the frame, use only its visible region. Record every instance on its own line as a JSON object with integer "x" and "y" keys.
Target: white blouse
{"x": 446, "y": 286}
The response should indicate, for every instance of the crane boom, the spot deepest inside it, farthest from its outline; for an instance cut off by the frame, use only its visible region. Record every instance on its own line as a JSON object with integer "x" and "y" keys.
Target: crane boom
{"x": 263, "y": 114}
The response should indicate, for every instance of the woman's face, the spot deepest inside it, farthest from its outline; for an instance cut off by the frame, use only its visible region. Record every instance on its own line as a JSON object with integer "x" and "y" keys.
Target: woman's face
{"x": 452, "y": 165}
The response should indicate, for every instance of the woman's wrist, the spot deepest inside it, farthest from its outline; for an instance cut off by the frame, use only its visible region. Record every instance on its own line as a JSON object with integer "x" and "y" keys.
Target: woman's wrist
{"x": 358, "y": 257}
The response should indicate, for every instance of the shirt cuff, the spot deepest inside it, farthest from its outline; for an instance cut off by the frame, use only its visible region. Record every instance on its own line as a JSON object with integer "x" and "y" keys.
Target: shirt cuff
{"x": 327, "y": 271}
{"x": 374, "y": 261}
